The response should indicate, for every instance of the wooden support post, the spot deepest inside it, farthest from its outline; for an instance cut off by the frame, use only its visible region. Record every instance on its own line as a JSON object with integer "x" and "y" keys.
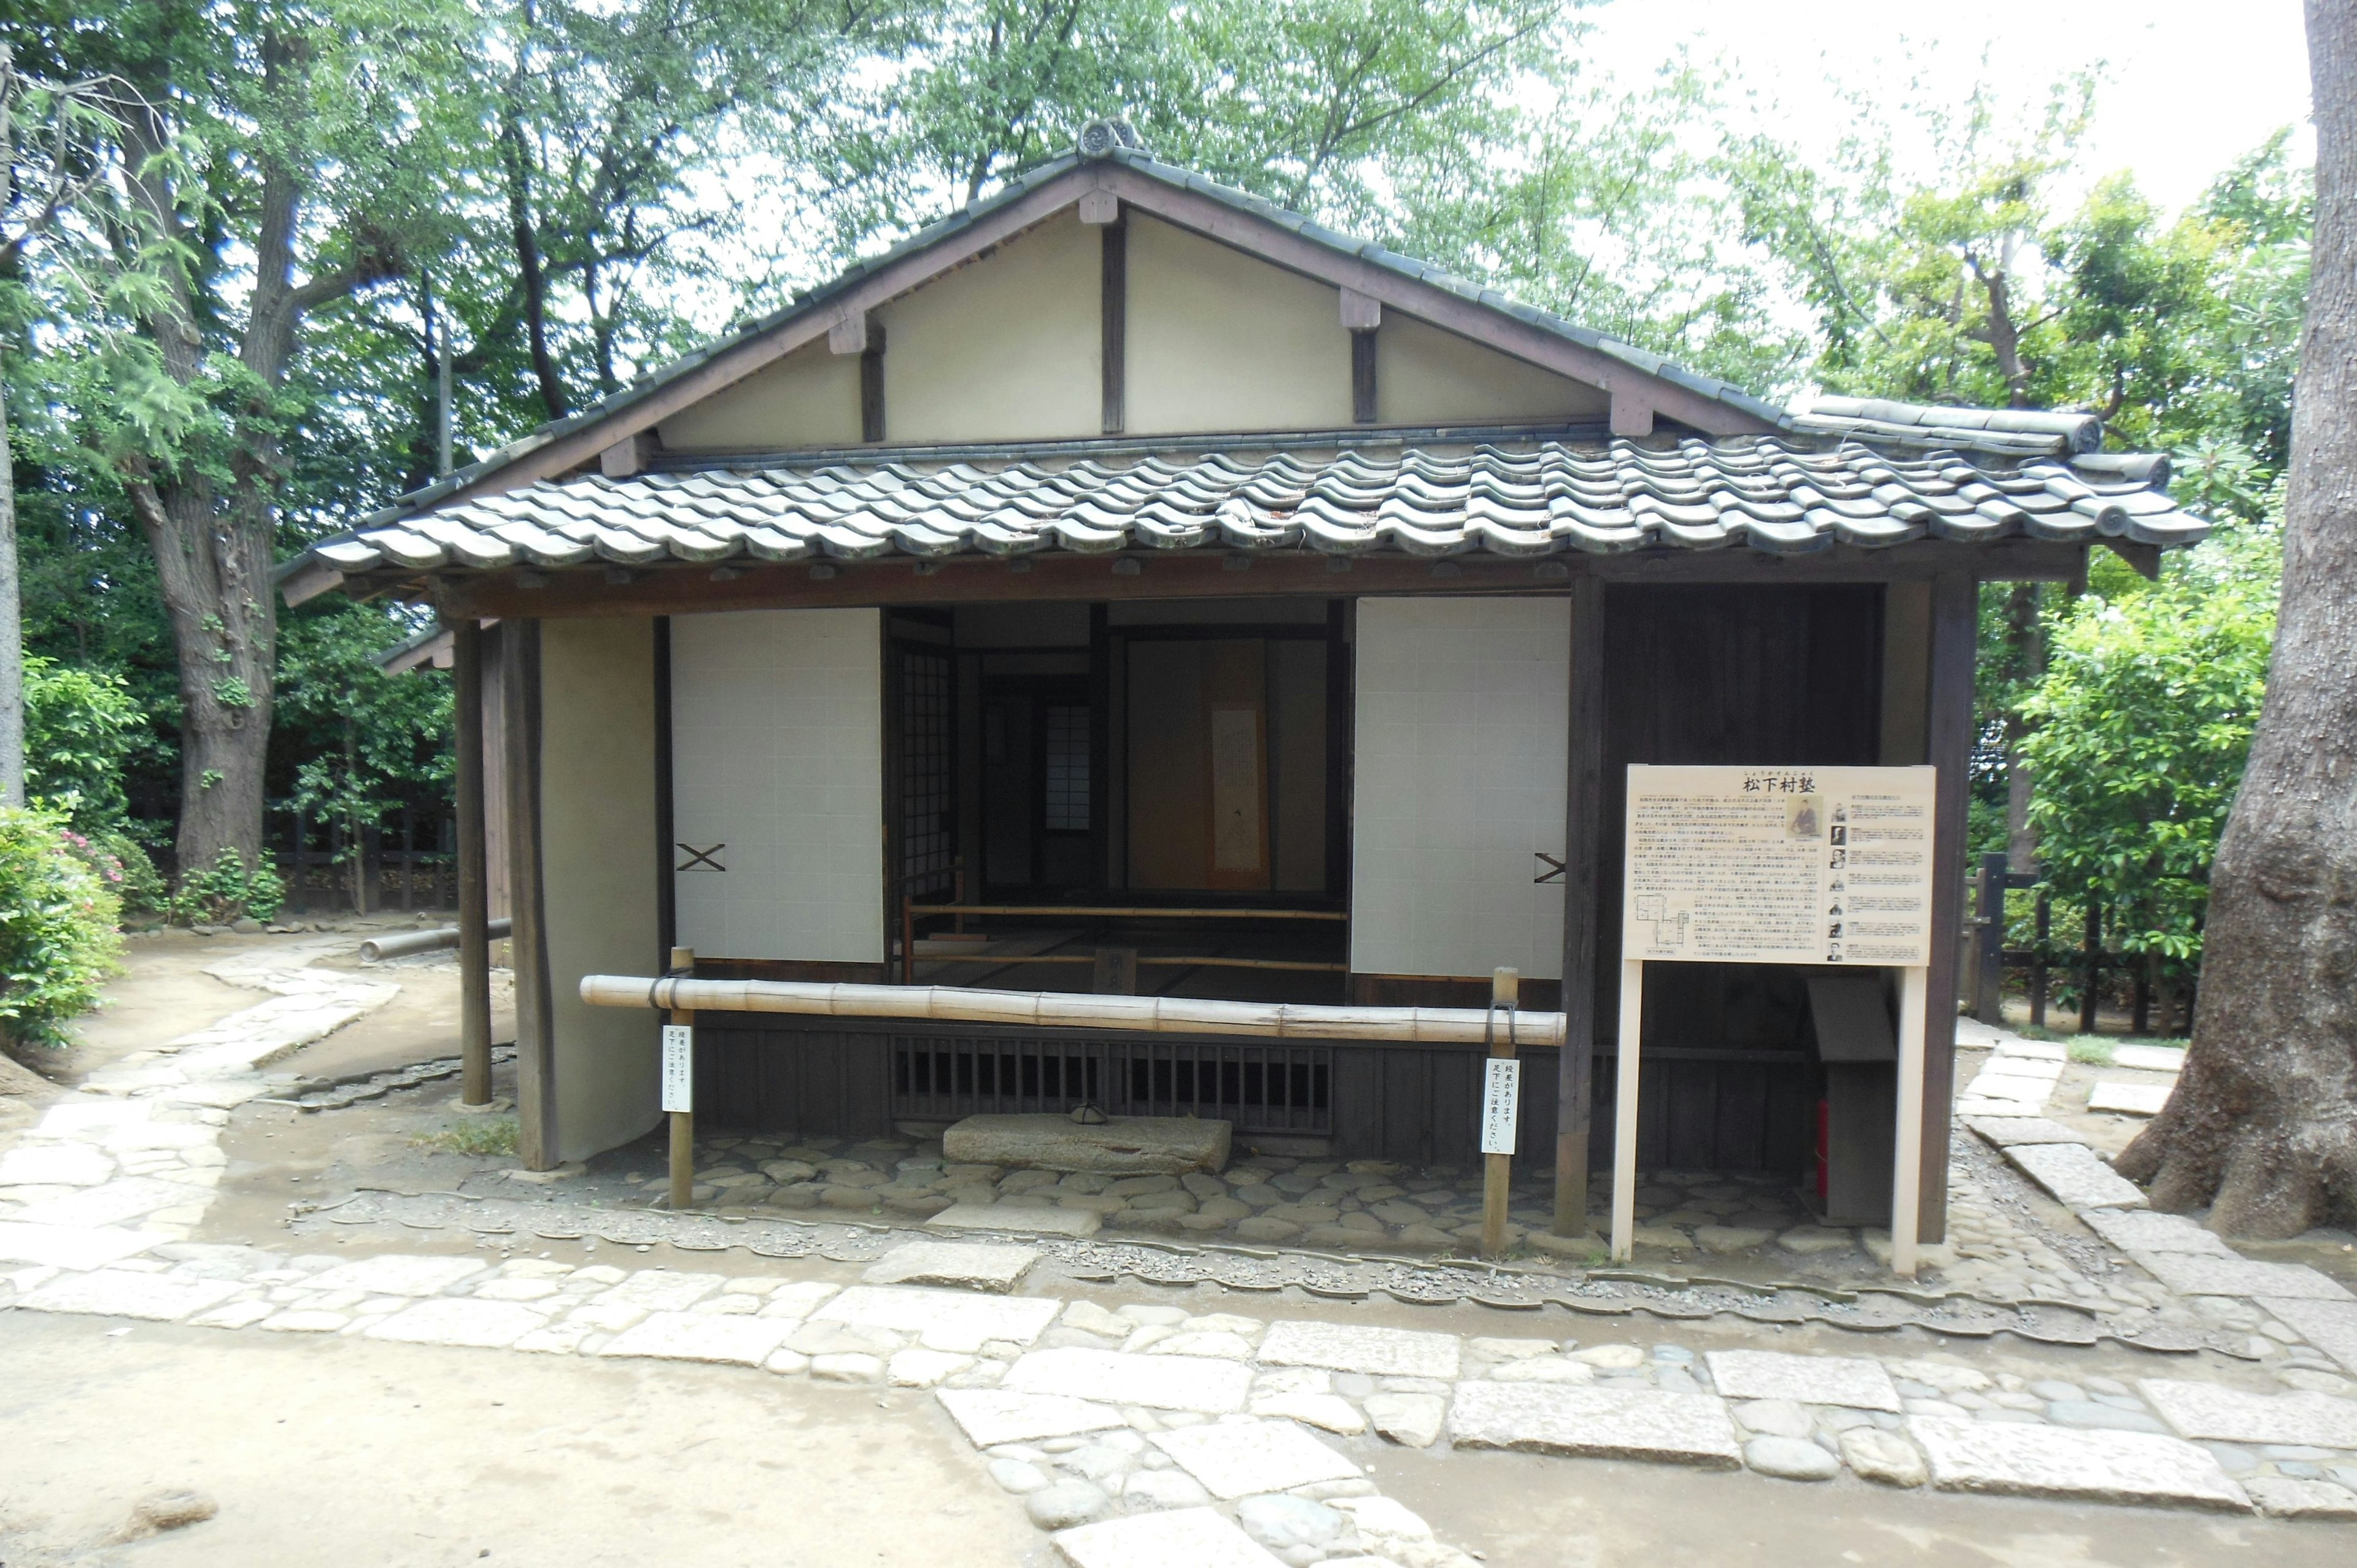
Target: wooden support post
{"x": 1498, "y": 1166}
{"x": 1362, "y": 377}
{"x": 1988, "y": 929}
{"x": 1583, "y": 800}
{"x": 683, "y": 1123}
{"x": 409, "y": 857}
{"x": 2092, "y": 954}
{"x": 1624, "y": 1110}
{"x": 1949, "y": 733}
{"x": 1907, "y": 1172}
{"x": 537, "y": 1136}
{"x": 1113, "y": 322}
{"x": 871, "y": 385}
{"x": 294, "y": 865}
{"x": 2037, "y": 962}
{"x": 474, "y": 874}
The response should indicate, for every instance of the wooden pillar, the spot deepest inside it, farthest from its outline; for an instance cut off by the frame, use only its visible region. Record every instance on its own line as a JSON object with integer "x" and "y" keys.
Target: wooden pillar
{"x": 474, "y": 877}
{"x": 1113, "y": 323}
{"x": 1496, "y": 1168}
{"x": 683, "y": 1123}
{"x": 1955, "y": 636}
{"x": 1583, "y": 801}
{"x": 535, "y": 1039}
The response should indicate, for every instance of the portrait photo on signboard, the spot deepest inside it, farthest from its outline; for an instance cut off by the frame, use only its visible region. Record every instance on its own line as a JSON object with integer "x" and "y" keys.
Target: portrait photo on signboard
{"x": 1801, "y": 818}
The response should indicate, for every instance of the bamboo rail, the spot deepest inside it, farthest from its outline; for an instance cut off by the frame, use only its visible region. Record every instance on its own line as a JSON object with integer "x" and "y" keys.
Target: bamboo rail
{"x": 1000, "y": 960}
{"x": 1068, "y": 1010}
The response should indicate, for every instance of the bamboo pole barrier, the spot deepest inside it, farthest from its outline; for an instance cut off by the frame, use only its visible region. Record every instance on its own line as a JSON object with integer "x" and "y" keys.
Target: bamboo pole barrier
{"x": 1145, "y": 912}
{"x": 1002, "y": 961}
{"x": 1066, "y": 1010}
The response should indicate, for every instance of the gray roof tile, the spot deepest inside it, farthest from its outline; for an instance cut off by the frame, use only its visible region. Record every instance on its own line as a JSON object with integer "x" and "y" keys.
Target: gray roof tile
{"x": 1773, "y": 493}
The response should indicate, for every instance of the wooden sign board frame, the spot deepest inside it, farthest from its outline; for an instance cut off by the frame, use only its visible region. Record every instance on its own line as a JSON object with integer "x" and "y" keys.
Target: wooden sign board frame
{"x": 1805, "y": 865}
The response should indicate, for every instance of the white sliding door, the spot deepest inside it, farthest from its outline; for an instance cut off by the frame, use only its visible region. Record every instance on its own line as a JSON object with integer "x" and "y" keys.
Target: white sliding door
{"x": 1458, "y": 786}
{"x": 778, "y": 759}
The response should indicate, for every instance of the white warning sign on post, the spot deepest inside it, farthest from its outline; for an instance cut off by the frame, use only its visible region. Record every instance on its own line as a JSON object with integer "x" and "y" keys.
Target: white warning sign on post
{"x": 678, "y": 1067}
{"x": 1501, "y": 1097}
{"x": 1778, "y": 865}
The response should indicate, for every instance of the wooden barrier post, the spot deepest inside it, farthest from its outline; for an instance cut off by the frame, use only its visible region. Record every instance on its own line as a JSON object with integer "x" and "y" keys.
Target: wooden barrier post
{"x": 1907, "y": 1182}
{"x": 679, "y": 1090}
{"x": 474, "y": 907}
{"x": 1624, "y": 1110}
{"x": 1501, "y": 1105}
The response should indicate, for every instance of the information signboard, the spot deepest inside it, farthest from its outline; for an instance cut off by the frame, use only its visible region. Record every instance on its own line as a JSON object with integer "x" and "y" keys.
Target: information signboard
{"x": 1778, "y": 865}
{"x": 678, "y": 1067}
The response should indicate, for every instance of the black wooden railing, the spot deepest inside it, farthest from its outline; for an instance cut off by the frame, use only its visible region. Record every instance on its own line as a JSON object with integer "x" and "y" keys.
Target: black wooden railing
{"x": 2087, "y": 963}
{"x": 407, "y": 860}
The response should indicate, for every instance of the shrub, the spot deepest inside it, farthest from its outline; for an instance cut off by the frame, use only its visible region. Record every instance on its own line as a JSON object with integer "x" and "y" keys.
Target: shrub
{"x": 58, "y": 921}
{"x": 81, "y": 725}
{"x": 219, "y": 892}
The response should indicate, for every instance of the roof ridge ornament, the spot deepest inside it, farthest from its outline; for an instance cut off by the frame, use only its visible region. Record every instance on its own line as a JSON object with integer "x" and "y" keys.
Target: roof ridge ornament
{"x": 1101, "y": 138}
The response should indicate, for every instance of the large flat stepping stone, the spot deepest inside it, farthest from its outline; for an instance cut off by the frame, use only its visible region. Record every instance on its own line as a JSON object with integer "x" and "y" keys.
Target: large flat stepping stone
{"x": 122, "y": 1293}
{"x": 943, "y": 1320}
{"x": 2190, "y": 1274}
{"x": 2230, "y": 1415}
{"x": 1182, "y": 1538}
{"x": 1237, "y": 1458}
{"x": 2007, "y": 1130}
{"x": 2076, "y": 1175}
{"x": 2150, "y": 1230}
{"x": 1848, "y": 1380}
{"x": 2030, "y": 1050}
{"x": 1018, "y": 1219}
{"x": 65, "y": 1247}
{"x": 55, "y": 1165}
{"x": 959, "y": 1265}
{"x": 125, "y": 1198}
{"x": 2329, "y": 1326}
{"x": 1354, "y": 1348}
{"x": 660, "y": 1290}
{"x": 989, "y": 1417}
{"x": 703, "y": 1337}
{"x": 396, "y": 1275}
{"x": 1124, "y": 1145}
{"x": 460, "y": 1320}
{"x": 2030, "y": 1461}
{"x": 2130, "y": 1099}
{"x": 1197, "y": 1384}
{"x": 2150, "y": 1058}
{"x": 1597, "y": 1423}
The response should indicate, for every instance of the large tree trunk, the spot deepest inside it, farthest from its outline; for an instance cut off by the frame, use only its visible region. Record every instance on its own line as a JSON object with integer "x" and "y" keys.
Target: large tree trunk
{"x": 2264, "y": 1122}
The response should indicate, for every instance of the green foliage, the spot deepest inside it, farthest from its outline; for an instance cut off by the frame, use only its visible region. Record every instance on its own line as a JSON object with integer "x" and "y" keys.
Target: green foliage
{"x": 79, "y": 727}
{"x": 2091, "y": 1050}
{"x": 58, "y": 921}
{"x": 367, "y": 742}
{"x": 227, "y": 889}
{"x": 2140, "y": 729}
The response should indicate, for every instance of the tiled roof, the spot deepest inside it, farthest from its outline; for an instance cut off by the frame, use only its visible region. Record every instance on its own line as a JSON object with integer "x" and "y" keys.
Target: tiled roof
{"x": 1773, "y": 493}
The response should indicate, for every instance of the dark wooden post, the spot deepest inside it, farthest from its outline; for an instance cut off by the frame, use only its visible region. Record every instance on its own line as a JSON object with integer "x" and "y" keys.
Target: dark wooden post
{"x": 473, "y": 875}
{"x": 1988, "y": 912}
{"x": 409, "y": 857}
{"x": 1498, "y": 1170}
{"x": 683, "y": 1123}
{"x": 294, "y": 895}
{"x": 1583, "y": 804}
{"x": 1955, "y": 632}
{"x": 536, "y": 1041}
{"x": 2092, "y": 954}
{"x": 2037, "y": 962}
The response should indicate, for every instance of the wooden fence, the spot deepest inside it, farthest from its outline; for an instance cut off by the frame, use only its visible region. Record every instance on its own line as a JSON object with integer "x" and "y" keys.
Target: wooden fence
{"x": 2087, "y": 962}
{"x": 406, "y": 861}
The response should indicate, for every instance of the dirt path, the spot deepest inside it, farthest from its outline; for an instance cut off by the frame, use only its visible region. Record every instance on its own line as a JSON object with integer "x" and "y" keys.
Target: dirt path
{"x": 323, "y": 1450}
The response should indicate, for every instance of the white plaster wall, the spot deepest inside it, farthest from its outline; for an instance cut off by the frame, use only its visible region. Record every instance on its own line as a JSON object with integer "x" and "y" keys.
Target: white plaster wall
{"x": 1220, "y": 341}
{"x": 810, "y": 398}
{"x": 599, "y": 872}
{"x": 778, "y": 753}
{"x": 1426, "y": 376}
{"x": 1459, "y": 779}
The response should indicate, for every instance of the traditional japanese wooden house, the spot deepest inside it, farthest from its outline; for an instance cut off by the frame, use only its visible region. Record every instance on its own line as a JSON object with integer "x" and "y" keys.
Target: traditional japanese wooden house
{"x": 1124, "y": 584}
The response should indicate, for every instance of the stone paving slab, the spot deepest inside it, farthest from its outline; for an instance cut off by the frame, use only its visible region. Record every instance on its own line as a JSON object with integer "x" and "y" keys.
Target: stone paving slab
{"x": 2076, "y": 1175}
{"x": 396, "y": 1275}
{"x": 125, "y": 1198}
{"x": 2192, "y": 1274}
{"x": 119, "y": 1293}
{"x": 1352, "y": 1347}
{"x": 1595, "y": 1422}
{"x": 83, "y": 1114}
{"x": 2150, "y": 1230}
{"x": 1853, "y": 1382}
{"x": 1182, "y": 1538}
{"x": 960, "y": 1265}
{"x": 1237, "y": 1458}
{"x": 54, "y": 1164}
{"x": 2130, "y": 1099}
{"x": 1196, "y": 1384}
{"x": 2007, "y": 1130}
{"x": 2288, "y": 1497}
{"x": 456, "y": 1320}
{"x": 2230, "y": 1415}
{"x": 702, "y": 1337}
{"x": 992, "y": 1416}
{"x": 655, "y": 1289}
{"x": 945, "y": 1320}
{"x": 1021, "y": 1220}
{"x": 64, "y": 1247}
{"x": 2024, "y": 1460}
{"x": 2329, "y": 1326}
{"x": 2151, "y": 1058}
